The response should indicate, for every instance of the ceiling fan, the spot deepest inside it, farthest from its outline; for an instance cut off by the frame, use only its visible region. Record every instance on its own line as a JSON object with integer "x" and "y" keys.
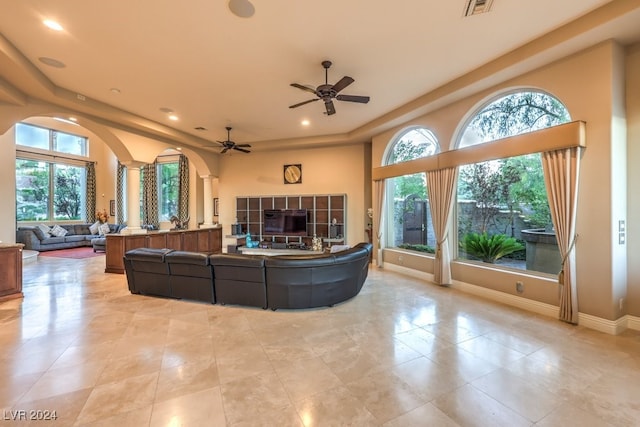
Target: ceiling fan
{"x": 230, "y": 145}
{"x": 327, "y": 92}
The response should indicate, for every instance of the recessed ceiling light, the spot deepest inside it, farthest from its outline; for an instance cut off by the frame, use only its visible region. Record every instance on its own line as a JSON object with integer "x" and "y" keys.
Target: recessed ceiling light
{"x": 179, "y": 148}
{"x": 305, "y": 122}
{"x": 242, "y": 8}
{"x": 73, "y": 119}
{"x": 173, "y": 117}
{"x": 51, "y": 62}
{"x": 115, "y": 90}
{"x": 52, "y": 24}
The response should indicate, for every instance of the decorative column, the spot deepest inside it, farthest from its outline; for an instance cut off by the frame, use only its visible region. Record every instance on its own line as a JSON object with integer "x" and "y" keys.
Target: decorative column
{"x": 208, "y": 202}
{"x": 133, "y": 200}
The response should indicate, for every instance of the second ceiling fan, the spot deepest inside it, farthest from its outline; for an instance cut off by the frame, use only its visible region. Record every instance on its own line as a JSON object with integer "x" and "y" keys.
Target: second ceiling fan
{"x": 328, "y": 93}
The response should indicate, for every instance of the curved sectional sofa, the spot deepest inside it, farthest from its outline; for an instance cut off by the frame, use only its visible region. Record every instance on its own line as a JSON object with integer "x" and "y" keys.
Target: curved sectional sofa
{"x": 284, "y": 281}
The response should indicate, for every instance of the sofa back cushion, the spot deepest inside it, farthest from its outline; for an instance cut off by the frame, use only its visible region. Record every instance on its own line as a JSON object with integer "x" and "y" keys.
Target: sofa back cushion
{"x": 38, "y": 231}
{"x": 245, "y": 268}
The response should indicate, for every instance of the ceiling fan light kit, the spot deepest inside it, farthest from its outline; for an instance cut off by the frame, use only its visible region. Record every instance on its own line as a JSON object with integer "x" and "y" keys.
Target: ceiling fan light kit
{"x": 328, "y": 93}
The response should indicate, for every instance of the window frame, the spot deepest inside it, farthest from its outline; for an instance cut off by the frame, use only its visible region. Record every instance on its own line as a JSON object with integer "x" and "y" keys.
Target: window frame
{"x": 52, "y": 158}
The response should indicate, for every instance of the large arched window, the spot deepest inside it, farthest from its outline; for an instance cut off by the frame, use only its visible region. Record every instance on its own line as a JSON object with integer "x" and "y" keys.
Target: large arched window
{"x": 409, "y": 226}
{"x": 503, "y": 213}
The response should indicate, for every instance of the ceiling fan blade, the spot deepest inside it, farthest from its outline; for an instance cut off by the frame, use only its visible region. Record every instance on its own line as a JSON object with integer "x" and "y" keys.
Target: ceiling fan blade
{"x": 224, "y": 150}
{"x": 307, "y": 88}
{"x": 344, "y": 82}
{"x": 302, "y": 103}
{"x": 221, "y": 142}
{"x": 243, "y": 145}
{"x": 353, "y": 98}
{"x": 241, "y": 149}
{"x": 330, "y": 108}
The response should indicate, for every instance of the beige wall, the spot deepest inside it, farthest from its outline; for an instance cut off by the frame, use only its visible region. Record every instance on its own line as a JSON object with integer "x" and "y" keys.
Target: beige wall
{"x": 8, "y": 187}
{"x": 332, "y": 170}
{"x": 633, "y": 177}
{"x": 583, "y": 82}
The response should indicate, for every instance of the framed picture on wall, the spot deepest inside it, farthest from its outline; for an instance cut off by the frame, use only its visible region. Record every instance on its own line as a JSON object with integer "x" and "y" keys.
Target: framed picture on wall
{"x": 112, "y": 207}
{"x": 215, "y": 206}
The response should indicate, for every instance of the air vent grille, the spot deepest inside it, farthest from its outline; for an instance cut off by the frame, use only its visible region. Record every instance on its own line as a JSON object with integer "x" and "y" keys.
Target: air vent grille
{"x": 475, "y": 7}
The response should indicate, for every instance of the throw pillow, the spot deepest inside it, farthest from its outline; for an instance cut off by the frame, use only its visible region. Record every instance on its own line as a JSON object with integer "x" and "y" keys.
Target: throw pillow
{"x": 93, "y": 228}
{"x": 45, "y": 229}
{"x": 103, "y": 229}
{"x": 58, "y": 231}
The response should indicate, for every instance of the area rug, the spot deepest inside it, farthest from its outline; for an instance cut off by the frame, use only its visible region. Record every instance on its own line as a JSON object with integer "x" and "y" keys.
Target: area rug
{"x": 74, "y": 253}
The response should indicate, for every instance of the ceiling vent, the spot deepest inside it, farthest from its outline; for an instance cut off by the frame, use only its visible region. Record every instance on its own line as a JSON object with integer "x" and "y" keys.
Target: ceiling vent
{"x": 475, "y": 7}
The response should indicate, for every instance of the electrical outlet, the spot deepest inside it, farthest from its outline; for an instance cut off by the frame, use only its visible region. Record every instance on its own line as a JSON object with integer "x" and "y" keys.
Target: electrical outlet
{"x": 519, "y": 287}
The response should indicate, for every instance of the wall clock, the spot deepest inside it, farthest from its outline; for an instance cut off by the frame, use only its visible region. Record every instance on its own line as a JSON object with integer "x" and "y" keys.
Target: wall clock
{"x": 293, "y": 174}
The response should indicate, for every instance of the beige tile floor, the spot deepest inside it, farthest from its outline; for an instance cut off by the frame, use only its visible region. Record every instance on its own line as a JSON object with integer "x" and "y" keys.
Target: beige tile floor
{"x": 402, "y": 353}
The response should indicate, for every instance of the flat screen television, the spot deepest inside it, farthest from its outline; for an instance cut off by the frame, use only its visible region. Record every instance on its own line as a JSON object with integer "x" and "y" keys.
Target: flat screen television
{"x": 285, "y": 222}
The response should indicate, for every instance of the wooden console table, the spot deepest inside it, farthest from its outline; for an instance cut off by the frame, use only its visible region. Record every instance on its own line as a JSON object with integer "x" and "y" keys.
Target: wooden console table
{"x": 10, "y": 271}
{"x": 207, "y": 240}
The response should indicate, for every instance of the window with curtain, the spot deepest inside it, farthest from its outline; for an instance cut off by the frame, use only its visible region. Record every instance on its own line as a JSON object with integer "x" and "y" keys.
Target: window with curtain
{"x": 168, "y": 189}
{"x": 409, "y": 226}
{"x": 503, "y": 213}
{"x": 49, "y": 187}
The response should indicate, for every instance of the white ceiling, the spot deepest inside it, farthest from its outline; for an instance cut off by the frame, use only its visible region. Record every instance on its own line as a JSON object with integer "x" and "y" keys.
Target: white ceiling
{"x": 215, "y": 69}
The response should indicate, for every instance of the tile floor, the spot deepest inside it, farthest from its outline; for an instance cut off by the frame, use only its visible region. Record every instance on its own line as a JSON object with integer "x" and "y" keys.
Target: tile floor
{"x": 402, "y": 353}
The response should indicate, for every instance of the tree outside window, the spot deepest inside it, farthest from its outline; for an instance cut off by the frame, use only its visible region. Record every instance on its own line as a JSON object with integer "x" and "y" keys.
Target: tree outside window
{"x": 506, "y": 196}
{"x": 34, "y": 181}
{"x": 168, "y": 187}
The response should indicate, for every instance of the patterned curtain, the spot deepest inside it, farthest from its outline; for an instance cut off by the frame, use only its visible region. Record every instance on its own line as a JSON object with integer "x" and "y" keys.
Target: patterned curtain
{"x": 183, "y": 188}
{"x": 120, "y": 181}
{"x": 150, "y": 214}
{"x": 90, "y": 197}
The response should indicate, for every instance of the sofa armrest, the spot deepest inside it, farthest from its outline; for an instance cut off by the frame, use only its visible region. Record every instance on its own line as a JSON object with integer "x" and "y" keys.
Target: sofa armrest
{"x": 29, "y": 236}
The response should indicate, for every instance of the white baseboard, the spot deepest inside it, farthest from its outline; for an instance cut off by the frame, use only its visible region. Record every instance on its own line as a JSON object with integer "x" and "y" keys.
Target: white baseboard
{"x": 512, "y": 300}
{"x": 408, "y": 271}
{"x": 613, "y": 327}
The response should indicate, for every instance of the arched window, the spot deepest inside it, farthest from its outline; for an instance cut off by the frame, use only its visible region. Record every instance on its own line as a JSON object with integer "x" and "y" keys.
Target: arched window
{"x": 410, "y": 225}
{"x": 503, "y": 213}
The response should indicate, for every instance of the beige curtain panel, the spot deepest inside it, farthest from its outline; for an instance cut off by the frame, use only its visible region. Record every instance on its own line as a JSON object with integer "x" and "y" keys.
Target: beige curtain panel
{"x": 561, "y": 174}
{"x": 441, "y": 185}
{"x": 379, "y": 188}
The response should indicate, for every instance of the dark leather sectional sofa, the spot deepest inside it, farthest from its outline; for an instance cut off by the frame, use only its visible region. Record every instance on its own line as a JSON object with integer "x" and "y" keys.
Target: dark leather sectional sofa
{"x": 285, "y": 281}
